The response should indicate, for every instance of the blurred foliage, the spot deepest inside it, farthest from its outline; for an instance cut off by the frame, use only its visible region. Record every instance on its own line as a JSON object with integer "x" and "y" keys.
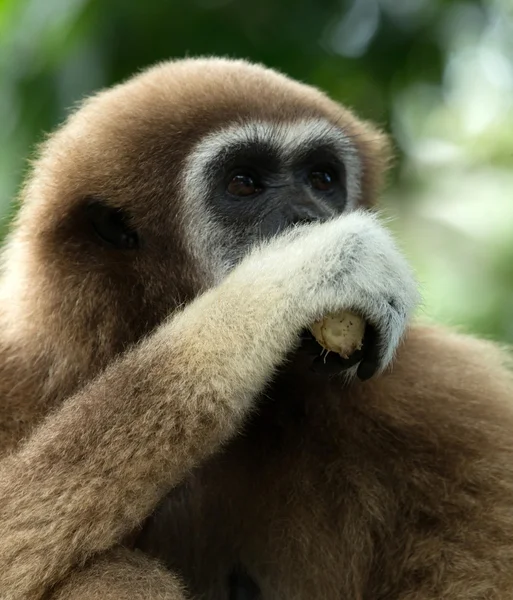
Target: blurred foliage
{"x": 438, "y": 74}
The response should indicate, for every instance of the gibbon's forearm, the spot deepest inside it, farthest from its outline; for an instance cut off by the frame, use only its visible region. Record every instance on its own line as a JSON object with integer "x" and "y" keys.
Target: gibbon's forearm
{"x": 97, "y": 467}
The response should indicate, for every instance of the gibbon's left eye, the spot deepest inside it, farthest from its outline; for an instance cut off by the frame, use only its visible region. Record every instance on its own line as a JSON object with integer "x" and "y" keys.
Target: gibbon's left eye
{"x": 322, "y": 180}
{"x": 243, "y": 184}
{"x": 111, "y": 225}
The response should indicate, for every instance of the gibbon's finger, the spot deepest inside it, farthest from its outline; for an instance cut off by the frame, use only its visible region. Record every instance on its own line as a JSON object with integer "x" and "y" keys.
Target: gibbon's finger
{"x": 309, "y": 344}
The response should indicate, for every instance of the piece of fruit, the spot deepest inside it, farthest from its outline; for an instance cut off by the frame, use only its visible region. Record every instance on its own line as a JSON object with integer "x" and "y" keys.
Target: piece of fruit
{"x": 340, "y": 332}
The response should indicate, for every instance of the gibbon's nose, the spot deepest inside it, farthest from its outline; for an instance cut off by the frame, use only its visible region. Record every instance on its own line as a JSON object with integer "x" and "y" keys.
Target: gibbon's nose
{"x": 304, "y": 213}
{"x": 291, "y": 212}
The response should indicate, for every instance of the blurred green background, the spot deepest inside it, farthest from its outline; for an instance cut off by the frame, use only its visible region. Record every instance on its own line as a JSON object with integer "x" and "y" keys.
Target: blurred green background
{"x": 437, "y": 74}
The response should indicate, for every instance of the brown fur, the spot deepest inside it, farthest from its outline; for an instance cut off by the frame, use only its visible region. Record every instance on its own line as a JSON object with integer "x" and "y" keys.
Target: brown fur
{"x": 400, "y": 488}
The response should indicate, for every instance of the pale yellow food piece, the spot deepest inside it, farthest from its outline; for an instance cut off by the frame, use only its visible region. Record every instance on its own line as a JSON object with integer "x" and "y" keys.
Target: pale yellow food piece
{"x": 341, "y": 333}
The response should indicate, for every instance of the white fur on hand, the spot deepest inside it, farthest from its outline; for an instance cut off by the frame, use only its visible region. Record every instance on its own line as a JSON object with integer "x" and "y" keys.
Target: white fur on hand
{"x": 348, "y": 263}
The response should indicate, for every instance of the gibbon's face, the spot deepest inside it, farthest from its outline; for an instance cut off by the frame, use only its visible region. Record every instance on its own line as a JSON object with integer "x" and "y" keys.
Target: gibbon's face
{"x": 257, "y": 178}
{"x": 153, "y": 189}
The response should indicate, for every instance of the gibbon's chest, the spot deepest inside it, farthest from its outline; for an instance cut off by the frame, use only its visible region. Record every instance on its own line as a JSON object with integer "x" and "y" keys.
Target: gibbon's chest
{"x": 270, "y": 508}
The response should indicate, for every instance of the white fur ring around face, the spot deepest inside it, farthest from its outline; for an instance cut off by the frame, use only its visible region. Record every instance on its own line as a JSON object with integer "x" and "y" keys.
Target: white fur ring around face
{"x": 340, "y": 332}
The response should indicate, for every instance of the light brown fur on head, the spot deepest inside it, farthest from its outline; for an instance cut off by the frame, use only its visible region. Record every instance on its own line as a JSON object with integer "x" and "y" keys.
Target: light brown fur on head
{"x": 136, "y": 380}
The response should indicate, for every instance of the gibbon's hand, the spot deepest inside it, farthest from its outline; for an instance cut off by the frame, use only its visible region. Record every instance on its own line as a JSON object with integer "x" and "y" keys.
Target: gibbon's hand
{"x": 349, "y": 263}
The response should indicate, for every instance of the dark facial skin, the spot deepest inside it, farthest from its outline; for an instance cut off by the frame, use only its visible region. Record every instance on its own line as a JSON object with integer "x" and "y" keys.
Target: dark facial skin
{"x": 254, "y": 193}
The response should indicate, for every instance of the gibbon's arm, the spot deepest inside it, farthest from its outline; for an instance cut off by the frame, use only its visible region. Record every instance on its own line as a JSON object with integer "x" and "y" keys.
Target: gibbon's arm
{"x": 96, "y": 468}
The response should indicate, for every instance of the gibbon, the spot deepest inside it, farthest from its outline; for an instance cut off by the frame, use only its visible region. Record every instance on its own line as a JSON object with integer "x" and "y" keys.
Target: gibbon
{"x": 169, "y": 429}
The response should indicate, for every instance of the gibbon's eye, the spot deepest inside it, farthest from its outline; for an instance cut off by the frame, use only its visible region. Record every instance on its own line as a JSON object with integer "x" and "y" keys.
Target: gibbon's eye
{"x": 243, "y": 184}
{"x": 322, "y": 180}
{"x": 111, "y": 225}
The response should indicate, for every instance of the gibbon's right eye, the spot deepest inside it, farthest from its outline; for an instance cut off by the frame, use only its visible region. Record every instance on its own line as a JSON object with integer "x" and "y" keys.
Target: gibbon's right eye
{"x": 111, "y": 226}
